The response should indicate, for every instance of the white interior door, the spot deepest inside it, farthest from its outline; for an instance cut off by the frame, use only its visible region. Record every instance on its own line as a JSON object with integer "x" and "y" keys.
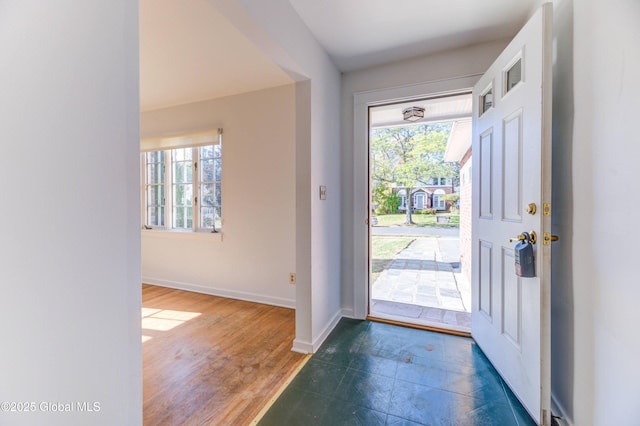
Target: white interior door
{"x": 512, "y": 169}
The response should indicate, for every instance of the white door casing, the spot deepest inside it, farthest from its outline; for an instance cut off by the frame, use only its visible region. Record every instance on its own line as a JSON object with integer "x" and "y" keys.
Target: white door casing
{"x": 512, "y": 155}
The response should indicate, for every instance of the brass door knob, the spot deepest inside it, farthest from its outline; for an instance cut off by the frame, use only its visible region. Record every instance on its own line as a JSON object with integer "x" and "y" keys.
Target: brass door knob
{"x": 531, "y": 208}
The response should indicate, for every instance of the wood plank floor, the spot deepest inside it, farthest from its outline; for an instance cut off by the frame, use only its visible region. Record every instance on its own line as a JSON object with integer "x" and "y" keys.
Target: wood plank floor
{"x": 209, "y": 360}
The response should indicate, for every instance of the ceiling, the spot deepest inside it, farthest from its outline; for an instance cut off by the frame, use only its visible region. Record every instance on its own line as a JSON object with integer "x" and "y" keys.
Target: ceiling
{"x": 446, "y": 108}
{"x": 189, "y": 52}
{"x": 362, "y": 33}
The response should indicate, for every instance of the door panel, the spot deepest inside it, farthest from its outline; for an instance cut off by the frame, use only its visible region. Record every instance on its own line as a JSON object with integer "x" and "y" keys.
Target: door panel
{"x": 511, "y": 148}
{"x": 512, "y": 301}
{"x": 486, "y": 174}
{"x": 486, "y": 278}
{"x": 512, "y": 168}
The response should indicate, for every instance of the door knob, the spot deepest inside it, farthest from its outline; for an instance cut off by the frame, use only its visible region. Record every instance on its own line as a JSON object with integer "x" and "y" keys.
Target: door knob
{"x": 531, "y": 208}
{"x": 533, "y": 237}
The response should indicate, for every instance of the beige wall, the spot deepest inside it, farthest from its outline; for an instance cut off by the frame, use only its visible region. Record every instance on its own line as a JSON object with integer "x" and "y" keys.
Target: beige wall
{"x": 277, "y": 29}
{"x": 255, "y": 253}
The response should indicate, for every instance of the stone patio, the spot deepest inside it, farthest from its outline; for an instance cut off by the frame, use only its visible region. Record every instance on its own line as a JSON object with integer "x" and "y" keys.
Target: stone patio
{"x": 423, "y": 285}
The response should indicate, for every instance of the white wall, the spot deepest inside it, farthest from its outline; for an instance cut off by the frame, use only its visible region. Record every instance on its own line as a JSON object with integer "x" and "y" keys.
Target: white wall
{"x": 281, "y": 34}
{"x": 255, "y": 253}
{"x": 595, "y": 346}
{"x": 407, "y": 74}
{"x": 69, "y": 177}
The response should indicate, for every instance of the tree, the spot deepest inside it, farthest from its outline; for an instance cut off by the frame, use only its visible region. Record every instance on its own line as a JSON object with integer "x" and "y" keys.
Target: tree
{"x": 405, "y": 157}
{"x": 385, "y": 201}
{"x": 453, "y": 198}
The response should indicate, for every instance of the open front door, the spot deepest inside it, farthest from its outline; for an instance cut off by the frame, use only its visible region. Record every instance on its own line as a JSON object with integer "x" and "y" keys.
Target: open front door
{"x": 511, "y": 195}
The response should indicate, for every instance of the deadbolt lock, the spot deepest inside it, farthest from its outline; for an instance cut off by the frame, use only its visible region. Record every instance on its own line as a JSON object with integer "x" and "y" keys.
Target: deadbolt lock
{"x": 548, "y": 238}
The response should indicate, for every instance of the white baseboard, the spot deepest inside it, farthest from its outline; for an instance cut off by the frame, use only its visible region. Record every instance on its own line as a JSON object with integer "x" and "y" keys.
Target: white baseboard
{"x": 348, "y": 313}
{"x": 302, "y": 347}
{"x": 558, "y": 411}
{"x": 326, "y": 330}
{"x": 310, "y": 348}
{"x": 231, "y": 294}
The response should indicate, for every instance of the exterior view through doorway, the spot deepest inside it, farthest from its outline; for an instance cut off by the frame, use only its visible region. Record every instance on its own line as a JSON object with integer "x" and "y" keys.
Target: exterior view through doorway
{"x": 420, "y": 212}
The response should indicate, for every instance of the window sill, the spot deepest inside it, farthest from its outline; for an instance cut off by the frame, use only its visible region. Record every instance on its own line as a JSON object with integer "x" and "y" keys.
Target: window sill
{"x": 181, "y": 235}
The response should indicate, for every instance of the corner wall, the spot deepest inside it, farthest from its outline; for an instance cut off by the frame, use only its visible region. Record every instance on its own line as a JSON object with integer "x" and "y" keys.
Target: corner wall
{"x": 252, "y": 258}
{"x": 595, "y": 348}
{"x": 69, "y": 178}
{"x": 276, "y": 28}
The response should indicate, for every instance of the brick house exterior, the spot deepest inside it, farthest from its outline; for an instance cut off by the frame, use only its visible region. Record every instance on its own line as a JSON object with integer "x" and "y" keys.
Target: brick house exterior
{"x": 465, "y": 214}
{"x": 459, "y": 150}
{"x": 427, "y": 196}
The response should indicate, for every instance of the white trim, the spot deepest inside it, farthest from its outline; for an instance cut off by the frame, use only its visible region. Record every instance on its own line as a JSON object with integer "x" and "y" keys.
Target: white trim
{"x": 558, "y": 411}
{"x": 306, "y": 347}
{"x": 326, "y": 330}
{"x": 231, "y": 294}
{"x": 348, "y": 313}
{"x": 169, "y": 234}
{"x": 187, "y": 140}
{"x": 361, "y": 103}
{"x": 302, "y": 347}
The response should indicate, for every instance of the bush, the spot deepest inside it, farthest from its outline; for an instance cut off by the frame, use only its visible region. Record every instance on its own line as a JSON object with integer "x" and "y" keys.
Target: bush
{"x": 389, "y": 203}
{"x": 428, "y": 211}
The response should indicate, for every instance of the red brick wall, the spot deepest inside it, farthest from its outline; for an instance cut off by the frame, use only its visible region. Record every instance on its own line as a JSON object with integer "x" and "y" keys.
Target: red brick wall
{"x": 465, "y": 214}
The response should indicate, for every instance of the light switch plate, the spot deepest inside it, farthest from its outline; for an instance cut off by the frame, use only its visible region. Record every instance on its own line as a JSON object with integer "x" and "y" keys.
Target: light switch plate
{"x": 323, "y": 192}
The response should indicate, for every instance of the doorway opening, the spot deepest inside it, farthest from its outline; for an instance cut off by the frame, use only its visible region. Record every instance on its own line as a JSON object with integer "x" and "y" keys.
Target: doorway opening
{"x": 420, "y": 212}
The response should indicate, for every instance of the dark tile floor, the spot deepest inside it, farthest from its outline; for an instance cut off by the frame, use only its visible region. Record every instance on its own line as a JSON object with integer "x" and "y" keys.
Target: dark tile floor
{"x": 369, "y": 373}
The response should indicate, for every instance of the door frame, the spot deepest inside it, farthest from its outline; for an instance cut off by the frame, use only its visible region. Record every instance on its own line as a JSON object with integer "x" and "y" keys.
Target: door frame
{"x": 361, "y": 213}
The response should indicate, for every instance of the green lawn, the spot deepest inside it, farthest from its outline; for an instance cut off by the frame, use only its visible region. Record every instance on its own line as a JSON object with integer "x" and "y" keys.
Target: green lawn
{"x": 383, "y": 250}
{"x": 397, "y": 219}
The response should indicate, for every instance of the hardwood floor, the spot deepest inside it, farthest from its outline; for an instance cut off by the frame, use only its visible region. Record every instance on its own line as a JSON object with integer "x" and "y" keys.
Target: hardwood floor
{"x": 209, "y": 360}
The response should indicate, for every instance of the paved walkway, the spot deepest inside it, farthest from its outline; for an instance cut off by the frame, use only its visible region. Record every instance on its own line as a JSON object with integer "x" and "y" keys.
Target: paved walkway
{"x": 423, "y": 283}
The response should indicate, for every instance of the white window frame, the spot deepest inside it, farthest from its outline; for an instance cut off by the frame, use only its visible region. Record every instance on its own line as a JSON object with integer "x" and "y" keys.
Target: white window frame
{"x": 423, "y": 204}
{"x": 167, "y": 151}
{"x": 438, "y": 204}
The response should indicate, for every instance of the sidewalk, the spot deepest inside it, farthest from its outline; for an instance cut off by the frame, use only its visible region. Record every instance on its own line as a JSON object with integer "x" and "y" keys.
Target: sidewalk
{"x": 421, "y": 284}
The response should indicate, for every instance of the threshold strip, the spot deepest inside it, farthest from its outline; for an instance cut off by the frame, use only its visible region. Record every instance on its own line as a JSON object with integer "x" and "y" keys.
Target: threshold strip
{"x": 442, "y": 330}
{"x": 279, "y": 392}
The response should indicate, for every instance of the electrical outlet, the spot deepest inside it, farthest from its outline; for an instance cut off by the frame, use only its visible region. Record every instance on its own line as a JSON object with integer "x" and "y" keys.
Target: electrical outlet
{"x": 292, "y": 278}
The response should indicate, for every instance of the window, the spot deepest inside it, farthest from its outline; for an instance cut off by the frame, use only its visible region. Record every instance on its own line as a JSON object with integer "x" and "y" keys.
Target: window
{"x": 438, "y": 203}
{"x": 513, "y": 75}
{"x": 154, "y": 188}
{"x": 440, "y": 181}
{"x": 486, "y": 100}
{"x": 187, "y": 195}
{"x": 403, "y": 199}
